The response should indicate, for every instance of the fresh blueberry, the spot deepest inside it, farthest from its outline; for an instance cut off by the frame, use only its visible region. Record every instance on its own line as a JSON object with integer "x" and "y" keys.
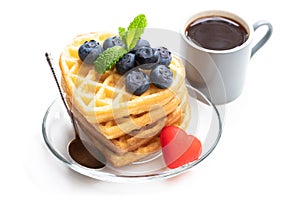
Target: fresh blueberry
{"x": 164, "y": 56}
{"x": 146, "y": 55}
{"x": 137, "y": 82}
{"x": 140, "y": 43}
{"x": 89, "y": 51}
{"x": 125, "y": 63}
{"x": 112, "y": 41}
{"x": 161, "y": 76}
{"x": 147, "y": 66}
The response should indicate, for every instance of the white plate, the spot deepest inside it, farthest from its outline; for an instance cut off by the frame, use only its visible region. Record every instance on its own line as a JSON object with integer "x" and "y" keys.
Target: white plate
{"x": 205, "y": 124}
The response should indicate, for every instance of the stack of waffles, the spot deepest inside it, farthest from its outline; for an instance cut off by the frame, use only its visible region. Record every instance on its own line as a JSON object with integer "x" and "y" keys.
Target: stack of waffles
{"x": 123, "y": 126}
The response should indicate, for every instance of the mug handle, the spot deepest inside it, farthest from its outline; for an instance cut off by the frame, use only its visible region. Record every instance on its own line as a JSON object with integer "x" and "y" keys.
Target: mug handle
{"x": 265, "y": 38}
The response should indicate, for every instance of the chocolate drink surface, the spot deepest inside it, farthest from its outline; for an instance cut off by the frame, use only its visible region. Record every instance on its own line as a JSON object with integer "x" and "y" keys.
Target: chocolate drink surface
{"x": 216, "y": 33}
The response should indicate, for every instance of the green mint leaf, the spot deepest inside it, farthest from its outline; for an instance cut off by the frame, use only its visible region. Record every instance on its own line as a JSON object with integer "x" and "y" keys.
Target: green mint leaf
{"x": 108, "y": 58}
{"x": 132, "y": 37}
{"x": 134, "y": 31}
{"x": 139, "y": 21}
{"x": 122, "y": 34}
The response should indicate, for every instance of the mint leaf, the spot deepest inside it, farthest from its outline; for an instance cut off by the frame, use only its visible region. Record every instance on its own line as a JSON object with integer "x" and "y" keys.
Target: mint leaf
{"x": 134, "y": 31}
{"x": 139, "y": 21}
{"x": 108, "y": 58}
{"x": 122, "y": 34}
{"x": 132, "y": 37}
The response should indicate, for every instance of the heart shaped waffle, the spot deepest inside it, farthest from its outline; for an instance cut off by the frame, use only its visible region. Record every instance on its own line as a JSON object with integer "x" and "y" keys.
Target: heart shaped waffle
{"x": 125, "y": 127}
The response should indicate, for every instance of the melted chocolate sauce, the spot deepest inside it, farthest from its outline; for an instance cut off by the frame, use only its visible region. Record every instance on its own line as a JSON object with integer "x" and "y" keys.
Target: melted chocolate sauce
{"x": 82, "y": 156}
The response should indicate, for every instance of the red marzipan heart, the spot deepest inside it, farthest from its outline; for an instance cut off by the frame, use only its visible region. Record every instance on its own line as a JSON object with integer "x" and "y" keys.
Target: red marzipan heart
{"x": 178, "y": 147}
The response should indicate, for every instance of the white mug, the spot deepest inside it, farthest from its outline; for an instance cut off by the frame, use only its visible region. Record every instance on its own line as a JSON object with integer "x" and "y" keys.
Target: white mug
{"x": 220, "y": 74}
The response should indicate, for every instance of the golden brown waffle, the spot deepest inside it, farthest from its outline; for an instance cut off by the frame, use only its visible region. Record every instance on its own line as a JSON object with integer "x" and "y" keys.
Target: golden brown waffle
{"x": 150, "y": 146}
{"x": 123, "y": 123}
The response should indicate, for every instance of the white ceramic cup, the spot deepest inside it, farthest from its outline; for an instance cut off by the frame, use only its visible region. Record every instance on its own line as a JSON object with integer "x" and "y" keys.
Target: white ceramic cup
{"x": 220, "y": 74}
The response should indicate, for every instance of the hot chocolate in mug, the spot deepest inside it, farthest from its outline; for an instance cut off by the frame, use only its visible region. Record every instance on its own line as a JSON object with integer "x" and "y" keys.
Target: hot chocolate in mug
{"x": 219, "y": 45}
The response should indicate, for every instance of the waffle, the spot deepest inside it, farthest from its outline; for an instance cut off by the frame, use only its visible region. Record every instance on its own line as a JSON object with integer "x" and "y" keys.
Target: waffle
{"x": 125, "y": 127}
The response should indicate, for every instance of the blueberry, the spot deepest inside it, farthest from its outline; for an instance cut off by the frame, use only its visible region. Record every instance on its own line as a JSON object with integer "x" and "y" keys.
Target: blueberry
{"x": 147, "y": 66}
{"x": 161, "y": 76}
{"x": 137, "y": 82}
{"x": 112, "y": 41}
{"x": 125, "y": 63}
{"x": 164, "y": 56}
{"x": 89, "y": 51}
{"x": 139, "y": 44}
{"x": 146, "y": 55}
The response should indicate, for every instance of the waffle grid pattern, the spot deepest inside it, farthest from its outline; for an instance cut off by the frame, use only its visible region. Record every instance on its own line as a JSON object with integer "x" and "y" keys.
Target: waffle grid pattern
{"x": 114, "y": 118}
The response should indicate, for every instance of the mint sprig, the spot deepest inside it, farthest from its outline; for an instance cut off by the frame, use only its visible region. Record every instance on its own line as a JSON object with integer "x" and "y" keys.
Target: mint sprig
{"x": 134, "y": 31}
{"x": 110, "y": 56}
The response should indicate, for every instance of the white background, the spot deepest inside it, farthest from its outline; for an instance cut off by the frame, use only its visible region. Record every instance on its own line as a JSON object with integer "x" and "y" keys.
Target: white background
{"x": 257, "y": 156}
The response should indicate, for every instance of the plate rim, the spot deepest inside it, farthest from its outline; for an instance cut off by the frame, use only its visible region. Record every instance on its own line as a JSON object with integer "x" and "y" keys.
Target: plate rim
{"x": 109, "y": 177}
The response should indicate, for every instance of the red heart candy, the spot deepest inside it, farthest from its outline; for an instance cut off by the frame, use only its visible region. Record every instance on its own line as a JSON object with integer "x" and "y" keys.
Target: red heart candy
{"x": 178, "y": 147}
